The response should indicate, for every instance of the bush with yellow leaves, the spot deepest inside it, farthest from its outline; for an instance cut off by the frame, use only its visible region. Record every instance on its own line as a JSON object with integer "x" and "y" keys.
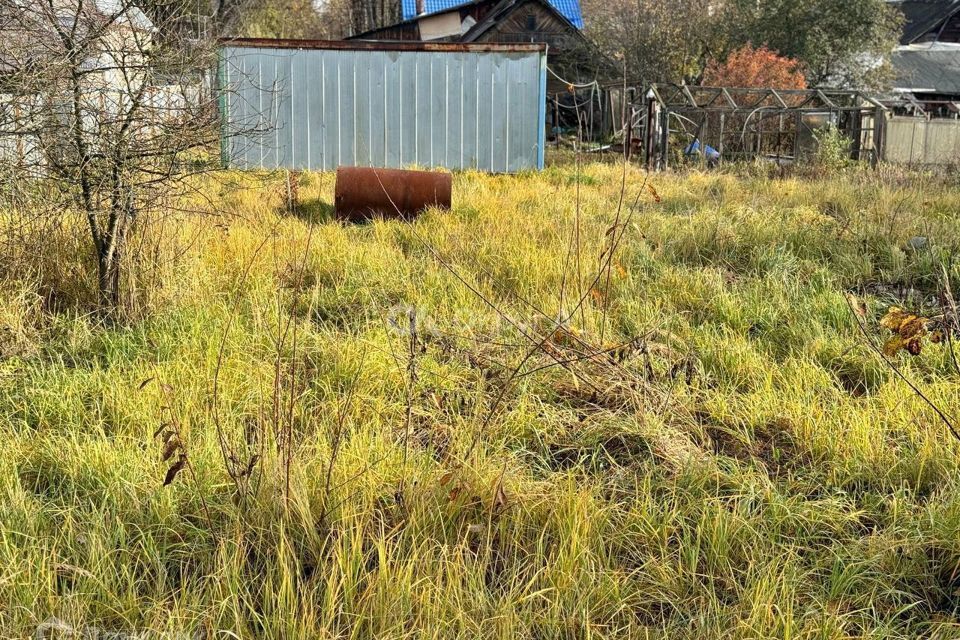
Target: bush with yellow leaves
{"x": 909, "y": 330}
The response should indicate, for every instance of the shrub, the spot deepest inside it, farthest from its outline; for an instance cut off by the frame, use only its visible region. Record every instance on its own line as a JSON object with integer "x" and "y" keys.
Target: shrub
{"x": 750, "y": 67}
{"x": 833, "y": 148}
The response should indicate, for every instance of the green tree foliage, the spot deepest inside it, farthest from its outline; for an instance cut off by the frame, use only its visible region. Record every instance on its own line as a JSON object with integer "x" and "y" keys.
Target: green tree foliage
{"x": 839, "y": 42}
{"x": 658, "y": 40}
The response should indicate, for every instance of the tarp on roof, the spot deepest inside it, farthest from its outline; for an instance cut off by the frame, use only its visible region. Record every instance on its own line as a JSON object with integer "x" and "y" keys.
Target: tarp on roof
{"x": 122, "y": 11}
{"x": 570, "y": 9}
{"x": 138, "y": 19}
{"x": 923, "y": 69}
{"x": 922, "y": 16}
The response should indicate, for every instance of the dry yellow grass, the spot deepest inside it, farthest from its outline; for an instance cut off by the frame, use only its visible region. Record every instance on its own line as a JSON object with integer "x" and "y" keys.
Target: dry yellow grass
{"x": 744, "y": 468}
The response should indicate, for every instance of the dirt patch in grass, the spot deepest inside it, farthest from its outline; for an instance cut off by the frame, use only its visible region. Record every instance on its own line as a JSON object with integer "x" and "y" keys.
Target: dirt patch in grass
{"x": 855, "y": 385}
{"x": 620, "y": 450}
{"x": 771, "y": 445}
{"x": 585, "y": 400}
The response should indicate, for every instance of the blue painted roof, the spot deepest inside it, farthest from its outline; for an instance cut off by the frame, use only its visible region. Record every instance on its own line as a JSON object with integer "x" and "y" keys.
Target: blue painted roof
{"x": 570, "y": 9}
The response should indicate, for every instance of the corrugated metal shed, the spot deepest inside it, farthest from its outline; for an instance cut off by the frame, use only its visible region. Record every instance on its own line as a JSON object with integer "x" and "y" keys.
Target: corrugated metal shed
{"x": 320, "y": 105}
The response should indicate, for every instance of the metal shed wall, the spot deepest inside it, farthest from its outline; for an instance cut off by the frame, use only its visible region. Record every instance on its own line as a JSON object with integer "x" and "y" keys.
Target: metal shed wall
{"x": 432, "y": 106}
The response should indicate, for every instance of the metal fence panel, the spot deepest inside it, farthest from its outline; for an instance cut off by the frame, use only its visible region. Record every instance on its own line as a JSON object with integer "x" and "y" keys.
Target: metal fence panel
{"x": 320, "y": 108}
{"x": 921, "y": 141}
{"x": 943, "y": 141}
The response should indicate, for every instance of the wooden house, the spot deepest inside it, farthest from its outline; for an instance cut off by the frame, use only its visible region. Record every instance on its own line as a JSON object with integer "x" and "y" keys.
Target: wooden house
{"x": 571, "y": 57}
{"x": 927, "y": 62}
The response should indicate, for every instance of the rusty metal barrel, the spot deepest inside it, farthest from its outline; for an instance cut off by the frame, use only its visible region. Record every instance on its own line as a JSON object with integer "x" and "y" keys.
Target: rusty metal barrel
{"x": 362, "y": 193}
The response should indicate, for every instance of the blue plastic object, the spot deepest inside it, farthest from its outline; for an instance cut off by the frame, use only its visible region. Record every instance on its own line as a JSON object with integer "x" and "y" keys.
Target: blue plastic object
{"x": 570, "y": 9}
{"x": 694, "y": 150}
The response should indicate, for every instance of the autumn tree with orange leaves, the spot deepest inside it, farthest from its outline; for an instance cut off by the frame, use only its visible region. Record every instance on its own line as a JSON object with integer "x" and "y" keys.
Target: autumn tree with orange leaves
{"x": 755, "y": 67}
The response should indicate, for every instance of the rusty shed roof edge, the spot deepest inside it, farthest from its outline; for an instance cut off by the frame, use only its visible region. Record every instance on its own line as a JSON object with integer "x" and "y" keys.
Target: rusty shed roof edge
{"x": 379, "y": 45}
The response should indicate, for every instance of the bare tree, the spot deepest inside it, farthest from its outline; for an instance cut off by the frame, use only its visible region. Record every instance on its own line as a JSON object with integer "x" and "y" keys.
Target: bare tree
{"x": 300, "y": 19}
{"x": 112, "y": 114}
{"x": 364, "y": 15}
{"x": 270, "y": 19}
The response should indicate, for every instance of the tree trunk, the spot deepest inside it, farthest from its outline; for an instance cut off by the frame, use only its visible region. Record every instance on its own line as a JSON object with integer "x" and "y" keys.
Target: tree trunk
{"x": 108, "y": 281}
{"x": 109, "y": 263}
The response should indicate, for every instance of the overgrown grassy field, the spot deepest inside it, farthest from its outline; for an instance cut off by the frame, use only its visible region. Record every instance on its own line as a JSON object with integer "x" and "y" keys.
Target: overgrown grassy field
{"x": 707, "y": 447}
